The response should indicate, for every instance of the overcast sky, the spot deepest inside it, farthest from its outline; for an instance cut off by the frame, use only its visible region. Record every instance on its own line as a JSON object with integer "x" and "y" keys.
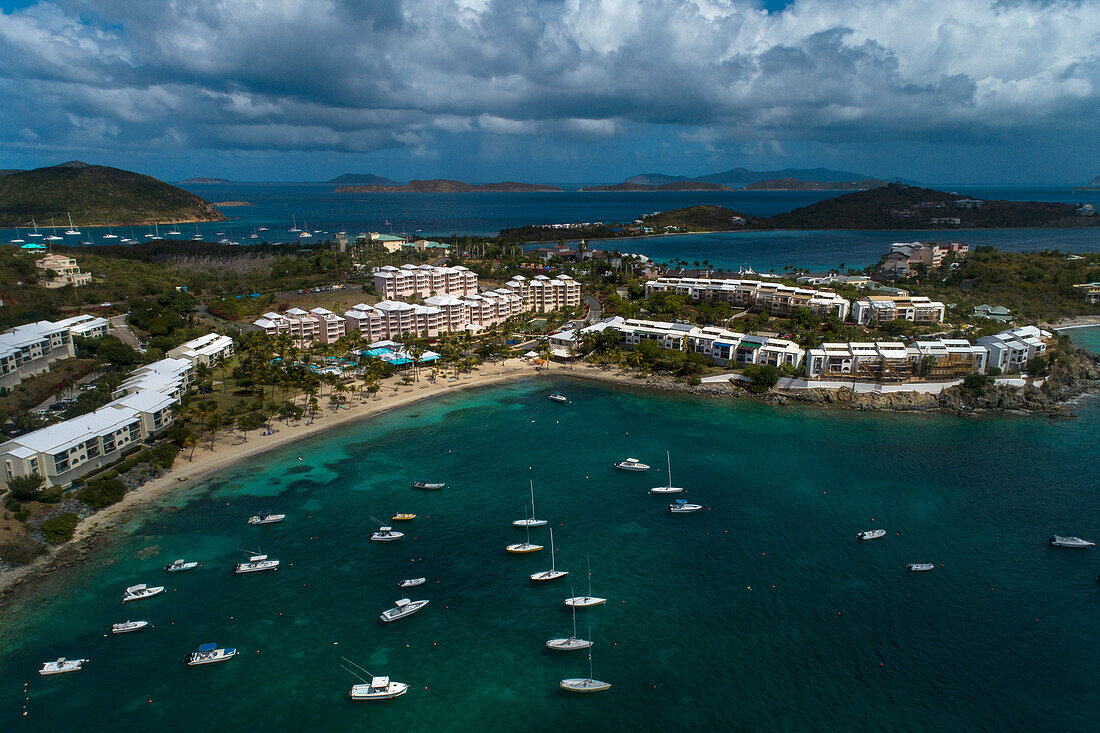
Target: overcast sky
{"x": 554, "y": 90}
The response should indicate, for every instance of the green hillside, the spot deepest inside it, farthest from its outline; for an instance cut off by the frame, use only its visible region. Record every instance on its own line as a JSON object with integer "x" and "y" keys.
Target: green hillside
{"x": 96, "y": 195}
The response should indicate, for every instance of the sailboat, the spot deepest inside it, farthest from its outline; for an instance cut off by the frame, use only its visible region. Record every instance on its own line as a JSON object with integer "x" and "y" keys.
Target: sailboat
{"x": 669, "y": 489}
{"x": 110, "y": 232}
{"x": 588, "y": 600}
{"x": 523, "y": 547}
{"x": 197, "y": 237}
{"x": 294, "y": 225}
{"x": 553, "y": 573}
{"x": 17, "y": 240}
{"x": 531, "y": 522}
{"x": 305, "y": 232}
{"x": 172, "y": 232}
{"x": 151, "y": 235}
{"x": 72, "y": 231}
{"x": 566, "y": 645}
{"x": 53, "y": 237}
{"x": 585, "y": 684}
{"x": 35, "y": 225}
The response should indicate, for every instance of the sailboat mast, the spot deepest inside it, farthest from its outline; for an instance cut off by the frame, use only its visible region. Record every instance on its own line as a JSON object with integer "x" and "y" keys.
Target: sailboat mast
{"x": 668, "y": 455}
{"x": 553, "y": 563}
{"x": 588, "y": 561}
{"x": 532, "y": 499}
{"x": 571, "y": 592}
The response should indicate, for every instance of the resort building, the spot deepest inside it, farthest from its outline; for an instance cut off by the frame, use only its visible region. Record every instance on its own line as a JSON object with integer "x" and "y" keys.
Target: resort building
{"x": 1010, "y": 351}
{"x": 562, "y": 342}
{"x": 543, "y": 294}
{"x": 422, "y": 281}
{"x": 880, "y": 361}
{"x": 207, "y": 350}
{"x": 944, "y": 359}
{"x": 367, "y": 320}
{"x": 876, "y": 309}
{"x": 85, "y": 326}
{"x": 904, "y": 257}
{"x": 389, "y": 242}
{"x": 330, "y": 327}
{"x": 30, "y": 349}
{"x": 775, "y": 299}
{"x": 721, "y": 346}
{"x": 57, "y": 271}
{"x": 1090, "y": 292}
{"x": 144, "y": 405}
{"x": 301, "y": 326}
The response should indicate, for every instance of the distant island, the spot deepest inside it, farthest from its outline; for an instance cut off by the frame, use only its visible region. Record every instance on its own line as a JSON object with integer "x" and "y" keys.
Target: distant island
{"x": 206, "y": 180}
{"x": 96, "y": 195}
{"x": 794, "y": 184}
{"x": 438, "y": 185}
{"x": 362, "y": 179}
{"x": 743, "y": 177}
{"x": 231, "y": 203}
{"x": 1094, "y": 183}
{"x": 672, "y": 186}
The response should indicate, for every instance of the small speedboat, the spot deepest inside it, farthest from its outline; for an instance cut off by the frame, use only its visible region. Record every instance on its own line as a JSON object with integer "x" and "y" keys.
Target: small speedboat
{"x": 401, "y": 609}
{"x": 379, "y": 688}
{"x": 209, "y": 654}
{"x": 61, "y": 666}
{"x": 127, "y": 626}
{"x": 386, "y": 534}
{"x": 918, "y": 567}
{"x": 255, "y": 564}
{"x": 558, "y": 397}
{"x": 402, "y": 517}
{"x": 181, "y": 564}
{"x": 427, "y": 485}
{"x": 631, "y": 464}
{"x": 140, "y": 591}
{"x": 871, "y": 534}
{"x": 682, "y": 506}
{"x": 412, "y": 582}
{"x": 266, "y": 517}
{"x": 1059, "y": 541}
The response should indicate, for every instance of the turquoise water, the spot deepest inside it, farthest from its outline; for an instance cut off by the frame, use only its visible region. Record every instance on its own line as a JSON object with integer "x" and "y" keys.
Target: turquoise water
{"x": 761, "y": 611}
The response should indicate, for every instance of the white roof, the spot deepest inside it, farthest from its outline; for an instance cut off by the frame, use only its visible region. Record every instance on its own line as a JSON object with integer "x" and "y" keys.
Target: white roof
{"x": 146, "y": 401}
{"x": 65, "y": 435}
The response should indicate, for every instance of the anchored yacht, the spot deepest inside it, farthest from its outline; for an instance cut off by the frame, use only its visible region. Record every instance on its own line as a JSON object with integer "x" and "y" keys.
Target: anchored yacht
{"x": 412, "y": 582}
{"x": 378, "y": 688}
{"x": 180, "y": 565}
{"x": 682, "y": 506}
{"x": 255, "y": 564}
{"x": 918, "y": 567}
{"x": 631, "y": 464}
{"x": 427, "y": 485}
{"x": 585, "y": 684}
{"x": 567, "y": 645}
{"x": 588, "y": 600}
{"x": 266, "y": 517}
{"x": 871, "y": 534}
{"x": 1059, "y": 541}
{"x": 209, "y": 654}
{"x": 61, "y": 666}
{"x": 402, "y": 608}
{"x": 530, "y": 521}
{"x": 127, "y": 626}
{"x": 140, "y": 591}
{"x": 523, "y": 547}
{"x": 558, "y": 397}
{"x": 386, "y": 534}
{"x": 553, "y": 573}
{"x": 669, "y": 489}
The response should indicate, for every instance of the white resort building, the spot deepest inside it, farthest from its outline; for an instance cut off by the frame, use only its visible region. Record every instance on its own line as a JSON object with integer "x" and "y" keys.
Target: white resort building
{"x": 422, "y": 281}
{"x": 775, "y": 299}
{"x": 31, "y": 348}
{"x": 208, "y": 349}
{"x": 543, "y": 294}
{"x": 877, "y": 309}
{"x": 1010, "y": 351}
{"x": 57, "y": 271}
{"x": 721, "y": 346}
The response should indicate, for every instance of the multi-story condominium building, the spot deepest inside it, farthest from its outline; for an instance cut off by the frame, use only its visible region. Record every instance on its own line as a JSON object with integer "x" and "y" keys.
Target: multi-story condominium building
{"x": 880, "y": 361}
{"x": 144, "y": 405}
{"x": 85, "y": 326}
{"x": 30, "y": 349}
{"x": 876, "y": 309}
{"x": 543, "y": 294}
{"x": 950, "y": 358}
{"x": 207, "y": 350}
{"x": 330, "y": 327}
{"x": 422, "y": 281}
{"x": 454, "y": 312}
{"x": 904, "y": 257}
{"x": 302, "y": 326}
{"x": 492, "y": 307}
{"x": 1010, "y": 351}
{"x": 776, "y": 299}
{"x": 721, "y": 346}
{"x": 57, "y": 271}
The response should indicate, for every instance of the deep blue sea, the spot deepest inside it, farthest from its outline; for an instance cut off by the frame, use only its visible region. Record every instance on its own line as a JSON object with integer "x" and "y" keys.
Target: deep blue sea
{"x": 318, "y": 207}
{"x": 760, "y": 612}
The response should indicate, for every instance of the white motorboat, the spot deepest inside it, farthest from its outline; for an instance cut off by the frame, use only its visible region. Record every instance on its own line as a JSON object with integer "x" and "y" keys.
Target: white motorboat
{"x": 568, "y": 645}
{"x": 553, "y": 573}
{"x": 427, "y": 485}
{"x": 523, "y": 547}
{"x": 266, "y": 517}
{"x": 585, "y": 684}
{"x": 631, "y": 464}
{"x": 412, "y": 582}
{"x": 140, "y": 591}
{"x": 386, "y": 534}
{"x": 209, "y": 654}
{"x": 180, "y": 565}
{"x": 588, "y": 600}
{"x": 530, "y": 521}
{"x": 871, "y": 534}
{"x": 256, "y": 564}
{"x": 682, "y": 506}
{"x": 378, "y": 688}
{"x": 1059, "y": 541}
{"x": 669, "y": 488}
{"x": 127, "y": 626}
{"x": 402, "y": 608}
{"x": 61, "y": 666}
{"x": 558, "y": 397}
{"x": 919, "y": 567}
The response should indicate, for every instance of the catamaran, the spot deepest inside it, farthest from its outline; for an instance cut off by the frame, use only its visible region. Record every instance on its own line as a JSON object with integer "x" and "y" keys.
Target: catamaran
{"x": 1059, "y": 541}
{"x": 256, "y": 564}
{"x": 682, "y": 507}
{"x": 566, "y": 645}
{"x": 180, "y": 565}
{"x": 304, "y": 234}
{"x": 209, "y": 654}
{"x": 523, "y": 547}
{"x": 531, "y": 521}
{"x": 553, "y": 573}
{"x": 127, "y": 626}
{"x": 588, "y": 600}
{"x": 871, "y": 534}
{"x": 585, "y": 684}
{"x": 266, "y": 517}
{"x": 61, "y": 666}
{"x": 631, "y": 464}
{"x": 379, "y": 688}
{"x": 669, "y": 489}
{"x": 402, "y": 608}
{"x": 140, "y": 591}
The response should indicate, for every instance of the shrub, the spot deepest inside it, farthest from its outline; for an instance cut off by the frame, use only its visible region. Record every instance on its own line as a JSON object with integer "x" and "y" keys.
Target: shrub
{"x": 22, "y": 515}
{"x": 60, "y": 528}
{"x": 163, "y": 455}
{"x": 20, "y": 552}
{"x": 102, "y": 493}
{"x": 977, "y": 384}
{"x": 51, "y": 495}
{"x": 763, "y": 376}
{"x": 24, "y": 488}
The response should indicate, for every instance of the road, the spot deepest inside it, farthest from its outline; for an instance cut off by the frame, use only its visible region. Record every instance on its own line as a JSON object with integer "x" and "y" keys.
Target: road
{"x": 595, "y": 309}
{"x": 122, "y": 331}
